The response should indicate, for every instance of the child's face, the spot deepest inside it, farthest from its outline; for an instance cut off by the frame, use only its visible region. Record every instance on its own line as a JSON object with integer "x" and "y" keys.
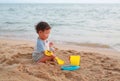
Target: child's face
{"x": 44, "y": 34}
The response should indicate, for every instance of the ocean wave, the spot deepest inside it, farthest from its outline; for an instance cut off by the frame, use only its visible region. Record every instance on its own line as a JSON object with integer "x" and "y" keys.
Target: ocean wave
{"x": 14, "y": 30}
{"x": 14, "y": 22}
{"x": 11, "y": 9}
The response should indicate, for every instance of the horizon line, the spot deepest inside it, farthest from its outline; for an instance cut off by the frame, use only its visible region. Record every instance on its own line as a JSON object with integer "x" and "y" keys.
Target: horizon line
{"x": 59, "y": 3}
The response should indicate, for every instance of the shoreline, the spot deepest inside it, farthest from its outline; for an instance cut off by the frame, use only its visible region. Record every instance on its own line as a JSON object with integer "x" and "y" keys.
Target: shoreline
{"x": 107, "y": 51}
{"x": 64, "y": 42}
{"x": 57, "y": 42}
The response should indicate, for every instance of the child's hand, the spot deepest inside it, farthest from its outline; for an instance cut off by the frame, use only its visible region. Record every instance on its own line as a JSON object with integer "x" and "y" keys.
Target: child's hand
{"x": 50, "y": 44}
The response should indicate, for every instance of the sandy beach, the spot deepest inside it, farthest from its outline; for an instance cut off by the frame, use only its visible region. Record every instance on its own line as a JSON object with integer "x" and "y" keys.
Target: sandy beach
{"x": 97, "y": 64}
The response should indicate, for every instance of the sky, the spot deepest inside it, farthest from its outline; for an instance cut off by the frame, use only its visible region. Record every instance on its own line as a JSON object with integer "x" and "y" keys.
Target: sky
{"x": 59, "y": 1}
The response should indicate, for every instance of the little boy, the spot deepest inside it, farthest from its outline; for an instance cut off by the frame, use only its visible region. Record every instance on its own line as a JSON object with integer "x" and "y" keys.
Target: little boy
{"x": 43, "y": 30}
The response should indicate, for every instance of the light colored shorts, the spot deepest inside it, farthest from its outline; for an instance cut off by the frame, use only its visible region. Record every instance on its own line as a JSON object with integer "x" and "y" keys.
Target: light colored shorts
{"x": 37, "y": 56}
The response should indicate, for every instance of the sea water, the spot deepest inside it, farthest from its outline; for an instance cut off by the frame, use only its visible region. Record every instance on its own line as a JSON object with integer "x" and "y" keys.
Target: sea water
{"x": 71, "y": 23}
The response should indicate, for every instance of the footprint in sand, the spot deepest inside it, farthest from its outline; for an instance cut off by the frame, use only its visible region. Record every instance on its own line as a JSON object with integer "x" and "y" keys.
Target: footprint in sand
{"x": 34, "y": 71}
{"x": 11, "y": 61}
{"x": 16, "y": 59}
{"x": 24, "y": 56}
{"x": 3, "y": 59}
{"x": 8, "y": 61}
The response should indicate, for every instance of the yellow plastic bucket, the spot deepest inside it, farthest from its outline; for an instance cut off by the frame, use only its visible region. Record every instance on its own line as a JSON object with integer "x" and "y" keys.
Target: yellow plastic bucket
{"x": 75, "y": 60}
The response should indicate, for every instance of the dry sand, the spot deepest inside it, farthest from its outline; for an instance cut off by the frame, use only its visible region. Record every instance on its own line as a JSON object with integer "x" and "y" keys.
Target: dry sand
{"x": 16, "y": 64}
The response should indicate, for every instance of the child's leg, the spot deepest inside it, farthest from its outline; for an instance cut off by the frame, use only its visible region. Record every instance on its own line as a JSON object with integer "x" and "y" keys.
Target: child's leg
{"x": 46, "y": 58}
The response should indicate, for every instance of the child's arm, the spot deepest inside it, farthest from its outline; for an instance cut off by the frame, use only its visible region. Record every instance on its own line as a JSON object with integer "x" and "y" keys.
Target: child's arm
{"x": 51, "y": 47}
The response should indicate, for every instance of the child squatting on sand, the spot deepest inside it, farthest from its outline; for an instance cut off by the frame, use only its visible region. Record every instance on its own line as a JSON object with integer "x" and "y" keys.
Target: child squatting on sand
{"x": 43, "y": 30}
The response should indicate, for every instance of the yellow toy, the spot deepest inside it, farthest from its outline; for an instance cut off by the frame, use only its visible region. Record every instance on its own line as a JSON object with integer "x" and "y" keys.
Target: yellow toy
{"x": 50, "y": 53}
{"x": 59, "y": 61}
{"x": 75, "y": 60}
